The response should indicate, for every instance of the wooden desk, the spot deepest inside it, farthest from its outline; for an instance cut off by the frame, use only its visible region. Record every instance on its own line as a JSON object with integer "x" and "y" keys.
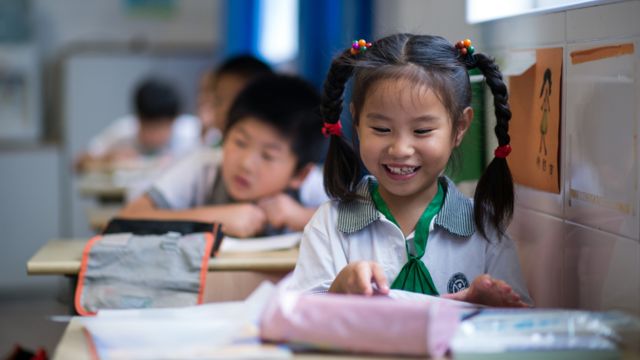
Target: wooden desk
{"x": 101, "y": 186}
{"x": 73, "y": 345}
{"x": 100, "y": 216}
{"x": 232, "y": 276}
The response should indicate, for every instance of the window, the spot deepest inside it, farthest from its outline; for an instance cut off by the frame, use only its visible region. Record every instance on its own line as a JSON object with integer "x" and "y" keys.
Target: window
{"x": 484, "y": 10}
{"x": 278, "y": 30}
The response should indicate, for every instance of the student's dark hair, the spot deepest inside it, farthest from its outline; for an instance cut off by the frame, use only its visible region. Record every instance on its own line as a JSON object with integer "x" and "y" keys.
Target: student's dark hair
{"x": 290, "y": 105}
{"x": 428, "y": 61}
{"x": 245, "y": 66}
{"x": 155, "y": 100}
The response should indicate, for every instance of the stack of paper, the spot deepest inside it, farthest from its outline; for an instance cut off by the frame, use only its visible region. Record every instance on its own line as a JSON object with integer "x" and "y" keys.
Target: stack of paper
{"x": 542, "y": 334}
{"x": 210, "y": 331}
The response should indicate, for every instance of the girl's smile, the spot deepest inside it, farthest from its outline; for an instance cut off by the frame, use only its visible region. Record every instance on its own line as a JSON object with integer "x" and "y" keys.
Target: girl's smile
{"x": 401, "y": 172}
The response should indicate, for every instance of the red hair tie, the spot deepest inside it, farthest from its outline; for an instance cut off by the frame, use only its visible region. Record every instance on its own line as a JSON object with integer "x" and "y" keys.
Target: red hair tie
{"x": 332, "y": 129}
{"x": 502, "y": 151}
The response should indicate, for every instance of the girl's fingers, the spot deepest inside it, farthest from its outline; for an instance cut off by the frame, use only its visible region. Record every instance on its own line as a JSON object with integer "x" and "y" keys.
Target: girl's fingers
{"x": 379, "y": 279}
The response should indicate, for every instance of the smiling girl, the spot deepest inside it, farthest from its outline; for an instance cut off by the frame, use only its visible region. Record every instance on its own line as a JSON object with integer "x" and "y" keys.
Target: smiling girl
{"x": 406, "y": 226}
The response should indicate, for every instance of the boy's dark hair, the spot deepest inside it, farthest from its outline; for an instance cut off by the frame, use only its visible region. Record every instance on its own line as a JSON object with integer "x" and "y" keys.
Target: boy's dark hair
{"x": 290, "y": 105}
{"x": 156, "y": 100}
{"x": 244, "y": 66}
{"x": 429, "y": 60}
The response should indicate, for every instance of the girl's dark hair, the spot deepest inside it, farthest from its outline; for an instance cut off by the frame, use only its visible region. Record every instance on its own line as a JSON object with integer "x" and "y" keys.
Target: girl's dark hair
{"x": 425, "y": 60}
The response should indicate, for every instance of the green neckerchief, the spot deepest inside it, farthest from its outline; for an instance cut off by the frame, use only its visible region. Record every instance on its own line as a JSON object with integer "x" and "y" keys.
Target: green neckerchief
{"x": 414, "y": 276}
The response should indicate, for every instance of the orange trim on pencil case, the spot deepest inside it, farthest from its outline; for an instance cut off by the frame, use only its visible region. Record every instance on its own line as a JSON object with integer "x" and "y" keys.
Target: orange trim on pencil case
{"x": 83, "y": 269}
{"x": 599, "y": 53}
{"x": 209, "y": 239}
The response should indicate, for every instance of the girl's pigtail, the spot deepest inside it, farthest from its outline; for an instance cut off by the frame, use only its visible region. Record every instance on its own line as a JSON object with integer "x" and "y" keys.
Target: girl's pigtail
{"x": 341, "y": 167}
{"x": 494, "y": 192}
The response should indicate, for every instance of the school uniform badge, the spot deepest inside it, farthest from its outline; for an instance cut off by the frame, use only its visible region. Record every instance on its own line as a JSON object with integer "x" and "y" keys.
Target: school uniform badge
{"x": 457, "y": 282}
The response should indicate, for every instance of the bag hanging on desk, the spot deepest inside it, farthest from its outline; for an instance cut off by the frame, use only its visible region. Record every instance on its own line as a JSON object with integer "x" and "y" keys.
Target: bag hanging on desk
{"x": 145, "y": 264}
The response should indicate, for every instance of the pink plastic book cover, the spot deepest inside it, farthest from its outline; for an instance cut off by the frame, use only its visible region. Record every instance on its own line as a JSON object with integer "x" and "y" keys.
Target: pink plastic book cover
{"x": 375, "y": 325}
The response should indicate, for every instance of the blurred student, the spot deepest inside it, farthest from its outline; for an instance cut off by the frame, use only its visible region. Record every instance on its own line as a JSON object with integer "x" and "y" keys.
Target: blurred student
{"x": 155, "y": 129}
{"x": 272, "y": 140}
{"x": 219, "y": 87}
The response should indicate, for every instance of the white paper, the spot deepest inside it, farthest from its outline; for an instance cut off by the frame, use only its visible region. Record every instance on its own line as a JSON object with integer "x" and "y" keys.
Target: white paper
{"x": 226, "y": 330}
{"x": 257, "y": 244}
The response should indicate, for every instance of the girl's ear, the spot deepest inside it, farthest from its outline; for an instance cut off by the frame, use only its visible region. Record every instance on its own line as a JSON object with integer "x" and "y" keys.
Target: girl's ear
{"x": 298, "y": 178}
{"x": 463, "y": 125}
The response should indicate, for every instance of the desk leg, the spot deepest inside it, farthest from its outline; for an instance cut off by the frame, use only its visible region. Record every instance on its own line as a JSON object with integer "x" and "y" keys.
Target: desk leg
{"x": 236, "y": 285}
{"x": 70, "y": 294}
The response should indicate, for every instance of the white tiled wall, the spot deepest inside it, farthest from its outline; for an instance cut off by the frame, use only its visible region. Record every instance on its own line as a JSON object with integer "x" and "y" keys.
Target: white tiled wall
{"x": 602, "y": 141}
{"x": 540, "y": 252}
{"x": 600, "y": 270}
{"x": 581, "y": 248}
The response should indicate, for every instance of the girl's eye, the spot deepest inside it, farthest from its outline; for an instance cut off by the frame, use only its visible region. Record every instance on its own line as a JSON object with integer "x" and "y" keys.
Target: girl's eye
{"x": 422, "y": 131}
{"x": 380, "y": 129}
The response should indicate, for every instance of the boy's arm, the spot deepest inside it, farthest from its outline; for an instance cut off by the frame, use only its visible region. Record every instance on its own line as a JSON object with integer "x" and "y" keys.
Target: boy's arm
{"x": 284, "y": 211}
{"x": 238, "y": 220}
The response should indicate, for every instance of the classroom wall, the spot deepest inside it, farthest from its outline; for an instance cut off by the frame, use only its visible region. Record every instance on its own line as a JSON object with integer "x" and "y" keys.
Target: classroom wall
{"x": 436, "y": 17}
{"x": 581, "y": 248}
{"x": 29, "y": 213}
{"x": 34, "y": 177}
{"x": 60, "y": 23}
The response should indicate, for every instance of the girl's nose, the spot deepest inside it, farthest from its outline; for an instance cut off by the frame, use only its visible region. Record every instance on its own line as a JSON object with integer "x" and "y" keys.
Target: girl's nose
{"x": 401, "y": 147}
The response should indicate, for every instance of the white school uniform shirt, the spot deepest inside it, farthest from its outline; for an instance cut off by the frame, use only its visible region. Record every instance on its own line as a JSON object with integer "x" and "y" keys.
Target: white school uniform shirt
{"x": 195, "y": 181}
{"x": 122, "y": 132}
{"x": 340, "y": 233}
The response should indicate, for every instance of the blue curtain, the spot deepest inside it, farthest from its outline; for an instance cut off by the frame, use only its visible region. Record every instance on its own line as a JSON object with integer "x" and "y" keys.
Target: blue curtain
{"x": 326, "y": 28}
{"x": 241, "y": 27}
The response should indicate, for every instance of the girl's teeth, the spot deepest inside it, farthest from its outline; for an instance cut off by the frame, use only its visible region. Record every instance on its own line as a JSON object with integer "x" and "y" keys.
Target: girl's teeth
{"x": 401, "y": 170}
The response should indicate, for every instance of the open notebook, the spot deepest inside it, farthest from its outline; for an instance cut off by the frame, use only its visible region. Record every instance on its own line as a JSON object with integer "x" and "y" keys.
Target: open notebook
{"x": 265, "y": 243}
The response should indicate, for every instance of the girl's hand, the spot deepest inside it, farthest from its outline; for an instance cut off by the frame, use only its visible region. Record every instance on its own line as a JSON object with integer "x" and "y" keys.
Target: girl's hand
{"x": 358, "y": 278}
{"x": 486, "y": 290}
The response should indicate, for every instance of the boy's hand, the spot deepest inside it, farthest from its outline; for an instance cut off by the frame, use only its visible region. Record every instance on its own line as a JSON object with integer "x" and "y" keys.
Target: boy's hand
{"x": 284, "y": 211}
{"x": 357, "y": 278}
{"x": 243, "y": 220}
{"x": 486, "y": 290}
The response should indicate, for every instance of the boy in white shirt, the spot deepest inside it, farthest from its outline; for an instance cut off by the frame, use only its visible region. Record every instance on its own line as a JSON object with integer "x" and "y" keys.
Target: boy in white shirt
{"x": 155, "y": 129}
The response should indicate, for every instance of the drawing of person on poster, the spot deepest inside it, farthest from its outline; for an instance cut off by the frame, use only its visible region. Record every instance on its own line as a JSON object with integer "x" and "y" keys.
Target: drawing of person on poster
{"x": 535, "y": 95}
{"x": 545, "y": 91}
